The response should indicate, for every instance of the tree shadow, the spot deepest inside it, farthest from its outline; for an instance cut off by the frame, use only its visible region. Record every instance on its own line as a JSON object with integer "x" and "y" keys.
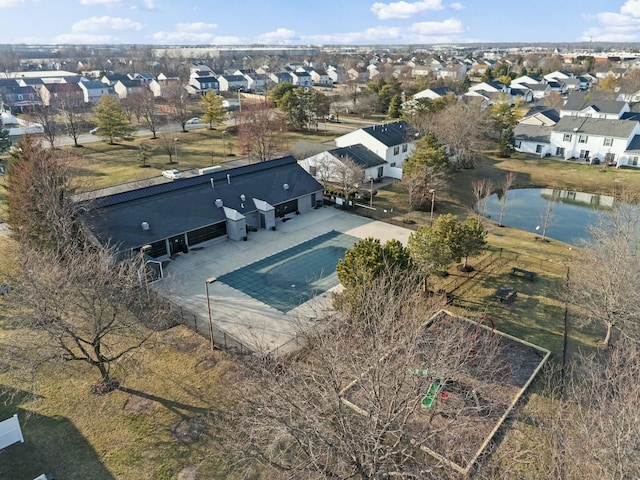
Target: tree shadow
{"x": 52, "y": 445}
{"x": 178, "y": 408}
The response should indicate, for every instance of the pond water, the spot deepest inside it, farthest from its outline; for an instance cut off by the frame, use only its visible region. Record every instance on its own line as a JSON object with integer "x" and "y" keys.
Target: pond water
{"x": 571, "y": 214}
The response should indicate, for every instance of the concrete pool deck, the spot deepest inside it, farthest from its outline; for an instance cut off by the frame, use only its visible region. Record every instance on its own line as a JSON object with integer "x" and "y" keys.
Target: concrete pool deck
{"x": 256, "y": 324}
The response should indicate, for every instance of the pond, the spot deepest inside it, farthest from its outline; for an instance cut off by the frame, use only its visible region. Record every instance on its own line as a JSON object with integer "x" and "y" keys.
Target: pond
{"x": 571, "y": 214}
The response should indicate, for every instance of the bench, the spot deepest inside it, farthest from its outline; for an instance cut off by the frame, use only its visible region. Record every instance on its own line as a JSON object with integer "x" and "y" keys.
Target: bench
{"x": 525, "y": 273}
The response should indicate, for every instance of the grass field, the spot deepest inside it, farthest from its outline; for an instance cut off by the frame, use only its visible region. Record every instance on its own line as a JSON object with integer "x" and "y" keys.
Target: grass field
{"x": 163, "y": 421}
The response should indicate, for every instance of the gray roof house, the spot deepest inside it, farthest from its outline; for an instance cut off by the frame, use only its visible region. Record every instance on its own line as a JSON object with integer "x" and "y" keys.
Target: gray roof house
{"x": 171, "y": 217}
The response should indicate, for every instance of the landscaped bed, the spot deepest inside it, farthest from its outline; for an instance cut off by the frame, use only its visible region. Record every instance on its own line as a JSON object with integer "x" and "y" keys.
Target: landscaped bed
{"x": 467, "y": 377}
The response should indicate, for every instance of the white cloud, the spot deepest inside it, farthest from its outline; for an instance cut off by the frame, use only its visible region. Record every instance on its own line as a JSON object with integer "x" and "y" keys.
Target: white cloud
{"x": 278, "y": 37}
{"x": 11, "y": 3}
{"x": 631, "y": 8}
{"x": 450, "y": 26}
{"x": 457, "y": 6}
{"x": 195, "y": 27}
{"x": 149, "y": 4}
{"x": 615, "y": 27}
{"x": 98, "y": 24}
{"x": 404, "y": 9}
{"x": 422, "y": 32}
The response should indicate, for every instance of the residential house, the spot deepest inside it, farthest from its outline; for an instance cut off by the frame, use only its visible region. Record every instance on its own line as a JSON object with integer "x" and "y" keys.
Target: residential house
{"x": 321, "y": 78}
{"x": 301, "y": 79}
{"x": 422, "y": 71}
{"x": 435, "y": 93}
{"x": 127, "y": 87}
{"x": 59, "y": 95}
{"x": 202, "y": 85}
{"x": 335, "y": 74}
{"x": 233, "y": 83}
{"x": 281, "y": 77}
{"x": 176, "y": 216}
{"x": 358, "y": 74}
{"x": 256, "y": 82}
{"x": 93, "y": 90}
{"x": 454, "y": 73}
{"x": 113, "y": 78}
{"x": 540, "y": 115}
{"x": 18, "y": 99}
{"x": 329, "y": 166}
{"x": 145, "y": 77}
{"x": 589, "y": 139}
{"x": 594, "y": 104}
{"x": 559, "y": 75}
{"x": 392, "y": 142}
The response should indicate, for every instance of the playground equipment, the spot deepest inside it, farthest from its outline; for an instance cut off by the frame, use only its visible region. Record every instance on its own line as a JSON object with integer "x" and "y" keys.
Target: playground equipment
{"x": 434, "y": 390}
{"x": 481, "y": 320}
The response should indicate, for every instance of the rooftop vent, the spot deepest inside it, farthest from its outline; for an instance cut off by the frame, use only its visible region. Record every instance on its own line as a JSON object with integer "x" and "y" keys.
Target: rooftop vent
{"x": 242, "y": 197}
{"x": 219, "y": 203}
{"x": 285, "y": 186}
{"x": 144, "y": 226}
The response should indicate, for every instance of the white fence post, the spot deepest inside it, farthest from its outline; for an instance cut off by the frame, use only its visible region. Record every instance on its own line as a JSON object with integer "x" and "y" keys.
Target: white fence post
{"x": 10, "y": 432}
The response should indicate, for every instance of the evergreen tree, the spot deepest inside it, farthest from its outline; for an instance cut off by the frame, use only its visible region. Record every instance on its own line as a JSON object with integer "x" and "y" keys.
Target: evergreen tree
{"x": 112, "y": 120}
{"x": 5, "y": 141}
{"x": 395, "y": 107}
{"x": 214, "y": 112}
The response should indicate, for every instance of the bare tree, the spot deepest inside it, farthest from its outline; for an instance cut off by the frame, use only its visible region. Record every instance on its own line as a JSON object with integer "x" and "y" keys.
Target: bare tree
{"x": 44, "y": 115}
{"x": 481, "y": 188}
{"x": 351, "y": 404}
{"x": 586, "y": 430}
{"x": 546, "y": 219}
{"x": 143, "y": 105}
{"x": 84, "y": 306}
{"x": 505, "y": 186}
{"x": 73, "y": 117}
{"x": 603, "y": 287}
{"x": 168, "y": 145}
{"x": 261, "y": 131}
{"x": 178, "y": 102}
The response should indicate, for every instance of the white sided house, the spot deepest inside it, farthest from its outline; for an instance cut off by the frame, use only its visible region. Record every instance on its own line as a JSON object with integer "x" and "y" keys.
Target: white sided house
{"x": 392, "y": 142}
{"x": 336, "y": 165}
{"x": 592, "y": 140}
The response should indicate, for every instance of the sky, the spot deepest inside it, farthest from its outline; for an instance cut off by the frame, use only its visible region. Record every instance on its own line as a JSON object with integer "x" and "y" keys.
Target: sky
{"x": 317, "y": 22}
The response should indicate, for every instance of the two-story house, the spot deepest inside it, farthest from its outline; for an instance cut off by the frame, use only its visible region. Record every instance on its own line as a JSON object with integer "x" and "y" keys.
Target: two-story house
{"x": 233, "y": 83}
{"x": 93, "y": 90}
{"x": 201, "y": 85}
{"x": 59, "y": 95}
{"x": 392, "y": 142}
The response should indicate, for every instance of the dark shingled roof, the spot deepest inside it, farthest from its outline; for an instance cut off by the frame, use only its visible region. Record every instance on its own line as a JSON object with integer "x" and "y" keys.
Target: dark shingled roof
{"x": 360, "y": 155}
{"x": 390, "y": 134}
{"x": 187, "y": 204}
{"x": 578, "y": 100}
{"x": 533, "y": 133}
{"x": 551, "y": 113}
{"x": 634, "y": 145}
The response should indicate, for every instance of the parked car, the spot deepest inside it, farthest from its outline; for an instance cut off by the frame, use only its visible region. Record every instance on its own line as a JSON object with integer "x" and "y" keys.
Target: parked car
{"x": 172, "y": 174}
{"x": 193, "y": 120}
{"x": 94, "y": 131}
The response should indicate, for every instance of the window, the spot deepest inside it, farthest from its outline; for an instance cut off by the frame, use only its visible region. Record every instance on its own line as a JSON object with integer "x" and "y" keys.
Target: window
{"x": 393, "y": 164}
{"x": 633, "y": 161}
{"x": 404, "y": 148}
{"x": 567, "y": 137}
{"x": 610, "y": 158}
{"x": 608, "y": 142}
{"x": 313, "y": 170}
{"x": 582, "y": 138}
{"x": 538, "y": 148}
{"x": 560, "y": 152}
{"x": 396, "y": 150}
